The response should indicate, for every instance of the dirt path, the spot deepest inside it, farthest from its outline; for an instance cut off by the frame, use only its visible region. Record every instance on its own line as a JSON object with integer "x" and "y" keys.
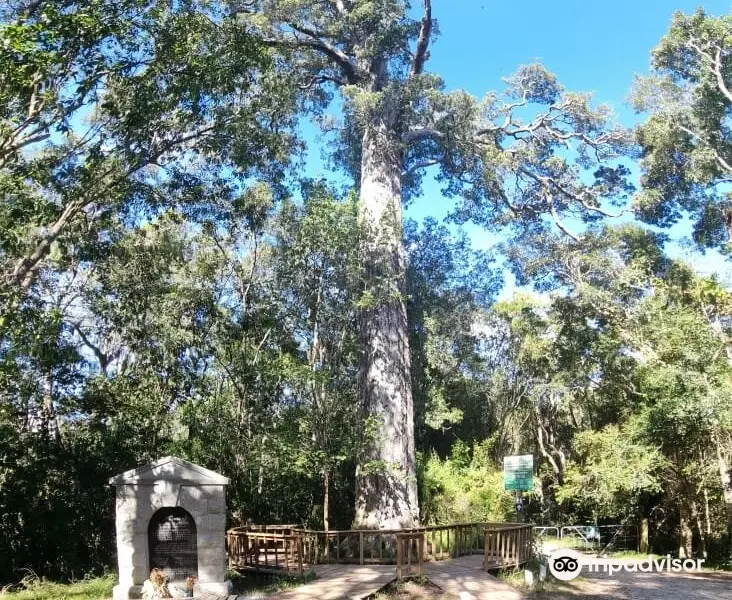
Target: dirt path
{"x": 641, "y": 586}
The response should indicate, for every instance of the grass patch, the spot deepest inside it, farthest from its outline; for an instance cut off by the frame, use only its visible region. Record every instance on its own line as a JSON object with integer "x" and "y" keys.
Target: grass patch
{"x": 33, "y": 588}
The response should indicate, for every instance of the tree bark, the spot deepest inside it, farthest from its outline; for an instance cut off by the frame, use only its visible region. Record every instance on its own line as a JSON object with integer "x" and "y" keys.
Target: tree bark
{"x": 725, "y": 475}
{"x": 644, "y": 546}
{"x": 326, "y": 502}
{"x": 686, "y": 534}
{"x": 386, "y": 483}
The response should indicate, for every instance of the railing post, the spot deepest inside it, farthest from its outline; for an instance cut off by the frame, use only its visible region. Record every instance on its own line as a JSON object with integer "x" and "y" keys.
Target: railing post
{"x": 360, "y": 543}
{"x": 299, "y": 554}
{"x": 420, "y": 546}
{"x": 399, "y": 557}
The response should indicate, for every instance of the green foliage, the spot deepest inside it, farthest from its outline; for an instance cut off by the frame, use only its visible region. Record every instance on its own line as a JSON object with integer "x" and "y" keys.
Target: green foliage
{"x": 685, "y": 142}
{"x": 32, "y": 588}
{"x": 464, "y": 487}
{"x": 611, "y": 473}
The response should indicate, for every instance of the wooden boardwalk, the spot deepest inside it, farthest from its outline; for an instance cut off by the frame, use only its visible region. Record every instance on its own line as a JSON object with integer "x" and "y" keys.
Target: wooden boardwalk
{"x": 338, "y": 582}
{"x": 465, "y": 578}
{"x": 462, "y": 577}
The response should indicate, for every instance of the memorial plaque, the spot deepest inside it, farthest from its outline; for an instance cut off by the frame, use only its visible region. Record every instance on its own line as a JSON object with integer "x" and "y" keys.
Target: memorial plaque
{"x": 172, "y": 543}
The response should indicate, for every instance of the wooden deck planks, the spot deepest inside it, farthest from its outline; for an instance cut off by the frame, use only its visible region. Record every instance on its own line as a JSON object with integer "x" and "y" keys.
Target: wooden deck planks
{"x": 462, "y": 577}
{"x": 465, "y": 578}
{"x": 337, "y": 582}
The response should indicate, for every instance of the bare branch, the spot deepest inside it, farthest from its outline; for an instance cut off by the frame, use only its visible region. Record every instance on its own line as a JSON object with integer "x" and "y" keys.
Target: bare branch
{"x": 349, "y": 68}
{"x": 422, "y": 133}
{"x": 420, "y": 165}
{"x": 600, "y": 210}
{"x": 718, "y": 73}
{"x": 425, "y": 33}
{"x": 560, "y": 224}
{"x": 323, "y": 79}
{"x": 100, "y": 356}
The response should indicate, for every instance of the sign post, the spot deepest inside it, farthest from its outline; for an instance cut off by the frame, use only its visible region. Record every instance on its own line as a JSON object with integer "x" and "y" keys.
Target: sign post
{"x": 518, "y": 476}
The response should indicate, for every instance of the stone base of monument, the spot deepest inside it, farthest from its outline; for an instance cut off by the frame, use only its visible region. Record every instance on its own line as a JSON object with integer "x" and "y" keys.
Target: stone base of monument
{"x": 125, "y": 592}
{"x": 215, "y": 588}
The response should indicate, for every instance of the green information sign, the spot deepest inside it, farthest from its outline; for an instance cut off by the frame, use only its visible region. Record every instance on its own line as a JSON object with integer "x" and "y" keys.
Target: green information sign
{"x": 518, "y": 472}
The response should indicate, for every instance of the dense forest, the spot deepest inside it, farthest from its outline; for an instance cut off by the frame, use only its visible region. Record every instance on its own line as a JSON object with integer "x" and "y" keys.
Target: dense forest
{"x": 172, "y": 283}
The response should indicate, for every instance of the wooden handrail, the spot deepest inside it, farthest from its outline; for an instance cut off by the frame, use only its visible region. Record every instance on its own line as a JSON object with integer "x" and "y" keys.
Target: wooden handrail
{"x": 508, "y": 546}
{"x": 273, "y": 552}
{"x": 287, "y": 548}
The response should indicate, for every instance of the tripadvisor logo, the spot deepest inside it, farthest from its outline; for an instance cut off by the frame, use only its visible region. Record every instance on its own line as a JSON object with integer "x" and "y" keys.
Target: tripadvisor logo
{"x": 566, "y": 564}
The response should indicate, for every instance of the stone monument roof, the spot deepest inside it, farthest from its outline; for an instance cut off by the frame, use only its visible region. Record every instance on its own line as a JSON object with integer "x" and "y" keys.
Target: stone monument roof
{"x": 170, "y": 468}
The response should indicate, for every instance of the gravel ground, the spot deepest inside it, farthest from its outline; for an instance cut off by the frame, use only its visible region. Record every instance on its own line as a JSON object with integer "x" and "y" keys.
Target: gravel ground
{"x": 640, "y": 586}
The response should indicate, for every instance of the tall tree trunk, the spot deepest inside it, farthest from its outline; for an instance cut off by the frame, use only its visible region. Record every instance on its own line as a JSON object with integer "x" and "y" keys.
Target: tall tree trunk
{"x": 696, "y": 514}
{"x": 643, "y": 545}
{"x": 686, "y": 534}
{"x": 386, "y": 483}
{"x": 326, "y": 501}
{"x": 725, "y": 475}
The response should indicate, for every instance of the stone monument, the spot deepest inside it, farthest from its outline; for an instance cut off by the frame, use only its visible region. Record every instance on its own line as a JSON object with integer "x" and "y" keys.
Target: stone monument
{"x": 171, "y": 514}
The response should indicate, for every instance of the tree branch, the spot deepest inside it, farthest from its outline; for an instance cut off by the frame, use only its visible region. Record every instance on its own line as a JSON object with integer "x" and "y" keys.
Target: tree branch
{"x": 558, "y": 221}
{"x": 720, "y": 160}
{"x": 423, "y": 42}
{"x": 423, "y": 133}
{"x": 420, "y": 165}
{"x": 350, "y": 70}
{"x": 718, "y": 73}
{"x": 323, "y": 79}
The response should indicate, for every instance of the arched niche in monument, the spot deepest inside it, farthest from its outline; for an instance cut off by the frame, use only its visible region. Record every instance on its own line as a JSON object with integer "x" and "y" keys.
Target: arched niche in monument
{"x": 172, "y": 543}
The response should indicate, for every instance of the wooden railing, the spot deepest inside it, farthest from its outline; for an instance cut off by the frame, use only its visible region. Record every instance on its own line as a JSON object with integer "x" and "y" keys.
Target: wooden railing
{"x": 284, "y": 529}
{"x": 266, "y": 552}
{"x": 286, "y": 548}
{"x": 506, "y": 546}
{"x": 379, "y": 546}
{"x": 410, "y": 554}
{"x": 354, "y": 546}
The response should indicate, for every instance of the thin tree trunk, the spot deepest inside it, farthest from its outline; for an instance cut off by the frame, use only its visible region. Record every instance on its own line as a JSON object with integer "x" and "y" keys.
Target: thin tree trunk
{"x": 725, "y": 475}
{"x": 643, "y": 545}
{"x": 700, "y": 528}
{"x": 386, "y": 484}
{"x": 686, "y": 535}
{"x": 326, "y": 496}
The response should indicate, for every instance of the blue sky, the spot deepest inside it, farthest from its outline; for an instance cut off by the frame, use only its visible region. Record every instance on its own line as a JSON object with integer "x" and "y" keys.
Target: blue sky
{"x": 592, "y": 45}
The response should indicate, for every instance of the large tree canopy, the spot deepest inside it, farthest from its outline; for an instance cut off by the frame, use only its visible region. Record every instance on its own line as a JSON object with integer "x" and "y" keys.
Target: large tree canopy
{"x": 112, "y": 111}
{"x": 398, "y": 119}
{"x": 686, "y": 142}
